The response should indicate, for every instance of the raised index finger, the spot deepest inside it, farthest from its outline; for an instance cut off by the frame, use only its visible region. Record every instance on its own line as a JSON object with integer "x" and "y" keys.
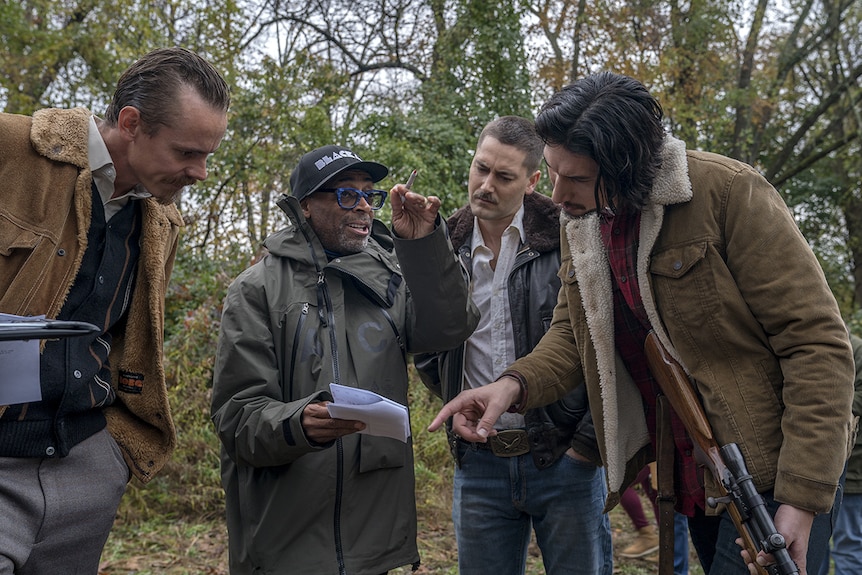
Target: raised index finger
{"x": 445, "y": 413}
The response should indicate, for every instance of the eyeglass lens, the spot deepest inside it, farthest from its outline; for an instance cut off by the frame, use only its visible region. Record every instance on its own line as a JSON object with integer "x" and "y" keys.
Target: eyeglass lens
{"x": 348, "y": 198}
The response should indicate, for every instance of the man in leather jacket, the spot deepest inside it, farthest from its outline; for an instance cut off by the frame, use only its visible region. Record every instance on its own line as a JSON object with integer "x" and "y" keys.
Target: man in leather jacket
{"x": 508, "y": 239}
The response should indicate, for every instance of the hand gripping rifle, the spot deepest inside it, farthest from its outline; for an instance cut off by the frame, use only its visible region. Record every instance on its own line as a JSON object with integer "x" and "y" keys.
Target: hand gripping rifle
{"x": 745, "y": 505}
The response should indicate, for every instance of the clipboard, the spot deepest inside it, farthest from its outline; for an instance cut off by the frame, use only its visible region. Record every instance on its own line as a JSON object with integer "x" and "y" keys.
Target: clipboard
{"x": 44, "y": 329}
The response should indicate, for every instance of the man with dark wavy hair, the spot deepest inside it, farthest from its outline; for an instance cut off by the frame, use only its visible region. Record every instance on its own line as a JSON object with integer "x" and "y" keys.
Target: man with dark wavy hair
{"x": 700, "y": 249}
{"x": 88, "y": 232}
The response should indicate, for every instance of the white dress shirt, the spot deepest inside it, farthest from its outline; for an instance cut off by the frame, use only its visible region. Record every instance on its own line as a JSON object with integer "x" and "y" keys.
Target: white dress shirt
{"x": 491, "y": 348}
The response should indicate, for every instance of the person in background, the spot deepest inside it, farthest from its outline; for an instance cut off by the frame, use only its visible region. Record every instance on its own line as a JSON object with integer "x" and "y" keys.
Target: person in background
{"x": 337, "y": 299}
{"x": 88, "y": 232}
{"x": 539, "y": 471}
{"x": 701, "y": 250}
{"x": 646, "y": 541}
{"x": 847, "y": 534}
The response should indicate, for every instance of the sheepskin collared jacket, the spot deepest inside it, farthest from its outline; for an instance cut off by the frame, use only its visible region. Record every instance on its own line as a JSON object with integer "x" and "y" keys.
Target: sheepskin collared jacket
{"x": 737, "y": 296}
{"x": 45, "y": 215}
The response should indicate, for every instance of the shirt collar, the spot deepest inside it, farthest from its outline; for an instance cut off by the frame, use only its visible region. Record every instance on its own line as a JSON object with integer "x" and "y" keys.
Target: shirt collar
{"x": 516, "y": 226}
{"x": 102, "y": 167}
{"x": 99, "y": 156}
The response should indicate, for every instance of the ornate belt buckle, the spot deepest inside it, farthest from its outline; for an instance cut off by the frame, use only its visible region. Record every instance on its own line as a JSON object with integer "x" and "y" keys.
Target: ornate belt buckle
{"x": 509, "y": 443}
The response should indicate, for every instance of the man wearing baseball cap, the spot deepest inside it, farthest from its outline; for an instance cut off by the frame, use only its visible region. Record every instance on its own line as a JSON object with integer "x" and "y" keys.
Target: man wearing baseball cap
{"x": 337, "y": 299}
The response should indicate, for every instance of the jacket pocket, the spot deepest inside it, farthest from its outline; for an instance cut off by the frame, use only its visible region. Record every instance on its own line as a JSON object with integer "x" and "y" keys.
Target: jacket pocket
{"x": 381, "y": 453}
{"x": 14, "y": 238}
{"x": 676, "y": 262}
{"x": 21, "y": 264}
{"x": 685, "y": 281}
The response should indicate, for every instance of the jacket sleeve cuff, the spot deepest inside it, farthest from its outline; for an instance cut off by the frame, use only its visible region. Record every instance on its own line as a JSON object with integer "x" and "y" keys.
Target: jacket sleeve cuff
{"x": 292, "y": 426}
{"x": 519, "y": 406}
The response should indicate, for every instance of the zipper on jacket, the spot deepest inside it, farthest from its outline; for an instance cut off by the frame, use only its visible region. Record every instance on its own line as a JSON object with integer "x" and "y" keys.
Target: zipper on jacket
{"x": 321, "y": 311}
{"x": 339, "y": 478}
{"x": 295, "y": 348}
{"x": 327, "y": 320}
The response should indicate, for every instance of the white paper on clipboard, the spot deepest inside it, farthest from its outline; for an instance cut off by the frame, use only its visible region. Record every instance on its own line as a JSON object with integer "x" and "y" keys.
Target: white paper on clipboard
{"x": 19, "y": 367}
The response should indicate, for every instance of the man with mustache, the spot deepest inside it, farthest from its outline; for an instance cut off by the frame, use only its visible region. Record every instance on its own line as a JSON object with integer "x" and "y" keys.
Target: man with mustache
{"x": 702, "y": 250}
{"x": 88, "y": 232}
{"x": 540, "y": 471}
{"x": 337, "y": 299}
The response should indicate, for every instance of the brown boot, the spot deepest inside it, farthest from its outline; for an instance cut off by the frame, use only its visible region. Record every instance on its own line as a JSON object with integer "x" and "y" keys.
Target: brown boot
{"x": 645, "y": 543}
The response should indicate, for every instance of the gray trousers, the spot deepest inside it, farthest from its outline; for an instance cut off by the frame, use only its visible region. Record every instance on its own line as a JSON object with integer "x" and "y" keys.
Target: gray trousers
{"x": 56, "y": 514}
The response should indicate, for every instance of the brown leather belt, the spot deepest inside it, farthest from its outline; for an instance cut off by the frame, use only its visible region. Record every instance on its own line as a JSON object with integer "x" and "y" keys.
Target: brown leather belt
{"x": 507, "y": 443}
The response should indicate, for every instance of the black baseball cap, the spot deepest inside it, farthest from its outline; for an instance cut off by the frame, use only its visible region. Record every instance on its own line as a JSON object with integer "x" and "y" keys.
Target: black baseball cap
{"x": 318, "y": 166}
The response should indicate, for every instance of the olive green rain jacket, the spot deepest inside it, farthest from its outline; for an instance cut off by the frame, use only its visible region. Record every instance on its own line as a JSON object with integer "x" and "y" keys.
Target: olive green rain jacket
{"x": 293, "y": 323}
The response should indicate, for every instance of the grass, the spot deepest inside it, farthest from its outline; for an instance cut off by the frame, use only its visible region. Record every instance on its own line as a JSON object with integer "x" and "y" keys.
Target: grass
{"x": 198, "y": 546}
{"x": 175, "y": 525}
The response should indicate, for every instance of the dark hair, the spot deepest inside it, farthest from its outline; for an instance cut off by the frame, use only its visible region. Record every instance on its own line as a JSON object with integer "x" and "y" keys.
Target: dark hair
{"x": 519, "y": 133}
{"x": 153, "y": 83}
{"x": 615, "y": 121}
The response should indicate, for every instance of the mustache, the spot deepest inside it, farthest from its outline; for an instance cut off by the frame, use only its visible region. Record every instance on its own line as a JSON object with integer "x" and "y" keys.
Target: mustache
{"x": 485, "y": 197}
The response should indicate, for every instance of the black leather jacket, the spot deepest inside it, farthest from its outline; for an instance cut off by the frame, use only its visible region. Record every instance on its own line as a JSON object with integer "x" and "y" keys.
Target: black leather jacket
{"x": 533, "y": 285}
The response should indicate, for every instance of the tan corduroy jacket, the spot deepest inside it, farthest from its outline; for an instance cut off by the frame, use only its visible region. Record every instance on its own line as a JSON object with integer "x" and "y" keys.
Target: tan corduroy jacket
{"x": 737, "y": 296}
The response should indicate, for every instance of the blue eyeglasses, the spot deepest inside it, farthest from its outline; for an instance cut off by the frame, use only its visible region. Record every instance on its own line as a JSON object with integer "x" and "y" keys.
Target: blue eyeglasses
{"x": 348, "y": 198}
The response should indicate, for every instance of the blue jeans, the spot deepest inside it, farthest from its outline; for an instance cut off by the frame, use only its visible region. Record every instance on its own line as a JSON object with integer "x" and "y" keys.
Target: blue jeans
{"x": 714, "y": 540}
{"x": 497, "y": 500}
{"x": 847, "y": 538}
{"x": 680, "y": 544}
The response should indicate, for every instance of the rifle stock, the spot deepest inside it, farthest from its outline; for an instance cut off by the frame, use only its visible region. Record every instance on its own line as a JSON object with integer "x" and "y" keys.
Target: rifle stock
{"x": 745, "y": 506}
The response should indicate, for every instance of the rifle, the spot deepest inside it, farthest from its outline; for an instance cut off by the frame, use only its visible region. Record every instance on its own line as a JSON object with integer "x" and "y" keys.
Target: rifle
{"x": 745, "y": 505}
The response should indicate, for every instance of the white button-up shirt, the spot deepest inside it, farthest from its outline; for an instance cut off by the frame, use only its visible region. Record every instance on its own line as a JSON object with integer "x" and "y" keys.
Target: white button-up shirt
{"x": 491, "y": 348}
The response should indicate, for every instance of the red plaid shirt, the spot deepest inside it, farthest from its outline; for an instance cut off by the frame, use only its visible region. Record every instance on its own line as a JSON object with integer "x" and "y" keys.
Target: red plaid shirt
{"x": 620, "y": 235}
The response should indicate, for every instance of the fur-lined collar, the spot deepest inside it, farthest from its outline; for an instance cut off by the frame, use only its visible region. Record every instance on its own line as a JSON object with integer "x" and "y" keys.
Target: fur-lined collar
{"x": 672, "y": 185}
{"x": 541, "y": 224}
{"x": 56, "y": 134}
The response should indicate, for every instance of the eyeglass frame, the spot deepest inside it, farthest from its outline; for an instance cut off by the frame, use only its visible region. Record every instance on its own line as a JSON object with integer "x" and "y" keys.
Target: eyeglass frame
{"x": 360, "y": 195}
